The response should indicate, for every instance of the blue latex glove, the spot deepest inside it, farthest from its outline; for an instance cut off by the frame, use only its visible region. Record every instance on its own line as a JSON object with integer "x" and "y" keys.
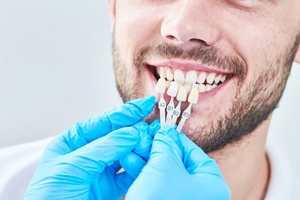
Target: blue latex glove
{"x": 83, "y": 161}
{"x": 177, "y": 169}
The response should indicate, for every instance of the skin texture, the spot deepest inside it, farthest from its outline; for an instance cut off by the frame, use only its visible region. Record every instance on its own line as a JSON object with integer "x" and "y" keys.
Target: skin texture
{"x": 255, "y": 41}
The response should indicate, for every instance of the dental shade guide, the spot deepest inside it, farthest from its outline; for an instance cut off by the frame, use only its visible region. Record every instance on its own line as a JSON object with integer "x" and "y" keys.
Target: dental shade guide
{"x": 160, "y": 88}
{"x": 178, "y": 84}
{"x": 172, "y": 92}
{"x": 192, "y": 99}
{"x": 181, "y": 97}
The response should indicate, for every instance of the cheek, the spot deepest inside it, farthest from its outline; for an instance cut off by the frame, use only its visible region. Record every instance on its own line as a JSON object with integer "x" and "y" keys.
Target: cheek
{"x": 258, "y": 44}
{"x": 135, "y": 29}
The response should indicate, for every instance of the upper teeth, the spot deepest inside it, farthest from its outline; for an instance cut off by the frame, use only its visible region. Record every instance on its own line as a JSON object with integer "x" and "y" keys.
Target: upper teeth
{"x": 191, "y": 77}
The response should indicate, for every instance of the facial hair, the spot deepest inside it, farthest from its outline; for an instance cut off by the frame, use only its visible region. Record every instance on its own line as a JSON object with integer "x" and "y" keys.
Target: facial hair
{"x": 251, "y": 105}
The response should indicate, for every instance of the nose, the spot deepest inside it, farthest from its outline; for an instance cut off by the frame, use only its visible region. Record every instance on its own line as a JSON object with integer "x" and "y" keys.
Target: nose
{"x": 190, "y": 21}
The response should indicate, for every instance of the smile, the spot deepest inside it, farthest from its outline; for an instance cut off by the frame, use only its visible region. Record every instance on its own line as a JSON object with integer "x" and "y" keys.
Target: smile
{"x": 204, "y": 81}
{"x": 184, "y": 85}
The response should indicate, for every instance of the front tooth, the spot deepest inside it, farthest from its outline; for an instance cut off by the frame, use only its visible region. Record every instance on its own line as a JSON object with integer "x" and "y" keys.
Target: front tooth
{"x": 218, "y": 78}
{"x": 214, "y": 85}
{"x": 201, "y": 78}
{"x": 223, "y": 78}
{"x": 191, "y": 77}
{"x": 162, "y": 72}
{"x": 169, "y": 75}
{"x": 179, "y": 76}
{"x": 202, "y": 88}
{"x": 210, "y": 78}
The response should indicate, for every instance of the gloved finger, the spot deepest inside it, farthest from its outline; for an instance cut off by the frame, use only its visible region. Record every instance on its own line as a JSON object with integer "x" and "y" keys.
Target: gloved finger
{"x": 132, "y": 164}
{"x": 92, "y": 158}
{"x": 153, "y": 128}
{"x": 195, "y": 159}
{"x": 164, "y": 164}
{"x": 123, "y": 182}
{"x": 142, "y": 149}
{"x": 165, "y": 152}
{"x": 93, "y": 128}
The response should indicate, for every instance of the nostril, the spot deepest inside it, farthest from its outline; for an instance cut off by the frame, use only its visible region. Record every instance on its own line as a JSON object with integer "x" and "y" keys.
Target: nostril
{"x": 171, "y": 37}
{"x": 195, "y": 40}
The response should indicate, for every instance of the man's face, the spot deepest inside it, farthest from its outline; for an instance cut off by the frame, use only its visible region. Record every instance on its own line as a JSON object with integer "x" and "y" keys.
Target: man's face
{"x": 250, "y": 42}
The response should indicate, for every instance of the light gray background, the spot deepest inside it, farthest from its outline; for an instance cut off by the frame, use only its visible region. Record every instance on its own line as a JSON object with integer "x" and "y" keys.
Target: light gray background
{"x": 55, "y": 69}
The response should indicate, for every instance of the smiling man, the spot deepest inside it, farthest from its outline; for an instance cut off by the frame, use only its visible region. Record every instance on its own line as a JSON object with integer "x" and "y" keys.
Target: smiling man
{"x": 241, "y": 52}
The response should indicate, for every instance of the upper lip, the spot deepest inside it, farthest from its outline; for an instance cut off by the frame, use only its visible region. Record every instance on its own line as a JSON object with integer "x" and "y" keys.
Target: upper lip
{"x": 188, "y": 65}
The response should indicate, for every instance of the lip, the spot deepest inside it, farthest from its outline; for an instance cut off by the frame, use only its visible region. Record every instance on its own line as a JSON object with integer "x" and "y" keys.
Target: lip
{"x": 187, "y": 66}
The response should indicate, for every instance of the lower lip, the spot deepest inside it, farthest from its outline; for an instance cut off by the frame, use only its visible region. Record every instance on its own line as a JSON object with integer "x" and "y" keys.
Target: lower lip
{"x": 204, "y": 96}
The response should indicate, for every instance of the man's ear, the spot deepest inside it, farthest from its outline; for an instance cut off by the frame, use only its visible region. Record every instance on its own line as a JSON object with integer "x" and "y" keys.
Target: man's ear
{"x": 297, "y": 57}
{"x": 112, "y": 13}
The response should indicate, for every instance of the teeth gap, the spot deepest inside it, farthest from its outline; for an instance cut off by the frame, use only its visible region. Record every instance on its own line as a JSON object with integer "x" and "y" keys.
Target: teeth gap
{"x": 156, "y": 75}
{"x": 154, "y": 72}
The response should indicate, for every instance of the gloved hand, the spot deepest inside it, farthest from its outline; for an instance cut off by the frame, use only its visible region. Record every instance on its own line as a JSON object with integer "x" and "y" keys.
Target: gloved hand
{"x": 83, "y": 161}
{"x": 177, "y": 169}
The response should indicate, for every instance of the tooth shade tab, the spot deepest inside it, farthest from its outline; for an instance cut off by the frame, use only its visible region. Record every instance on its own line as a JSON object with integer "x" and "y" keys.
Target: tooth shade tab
{"x": 173, "y": 89}
{"x": 185, "y": 115}
{"x": 162, "y": 110}
{"x": 179, "y": 76}
{"x": 175, "y": 114}
{"x": 160, "y": 86}
{"x": 170, "y": 109}
{"x": 194, "y": 95}
{"x": 182, "y": 94}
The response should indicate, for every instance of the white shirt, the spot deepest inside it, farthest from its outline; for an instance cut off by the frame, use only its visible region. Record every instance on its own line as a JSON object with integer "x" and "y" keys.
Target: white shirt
{"x": 283, "y": 184}
{"x": 18, "y": 163}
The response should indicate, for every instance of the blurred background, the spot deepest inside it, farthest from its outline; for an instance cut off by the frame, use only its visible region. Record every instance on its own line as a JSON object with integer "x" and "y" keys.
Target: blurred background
{"x": 56, "y": 69}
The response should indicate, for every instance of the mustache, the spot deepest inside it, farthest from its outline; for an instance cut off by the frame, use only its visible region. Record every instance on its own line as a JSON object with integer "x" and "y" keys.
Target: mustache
{"x": 206, "y": 55}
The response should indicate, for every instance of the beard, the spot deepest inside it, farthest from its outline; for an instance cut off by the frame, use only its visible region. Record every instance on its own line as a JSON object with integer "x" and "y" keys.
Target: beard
{"x": 251, "y": 104}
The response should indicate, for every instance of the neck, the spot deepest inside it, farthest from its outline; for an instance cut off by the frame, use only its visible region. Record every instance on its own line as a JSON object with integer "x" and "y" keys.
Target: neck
{"x": 245, "y": 166}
